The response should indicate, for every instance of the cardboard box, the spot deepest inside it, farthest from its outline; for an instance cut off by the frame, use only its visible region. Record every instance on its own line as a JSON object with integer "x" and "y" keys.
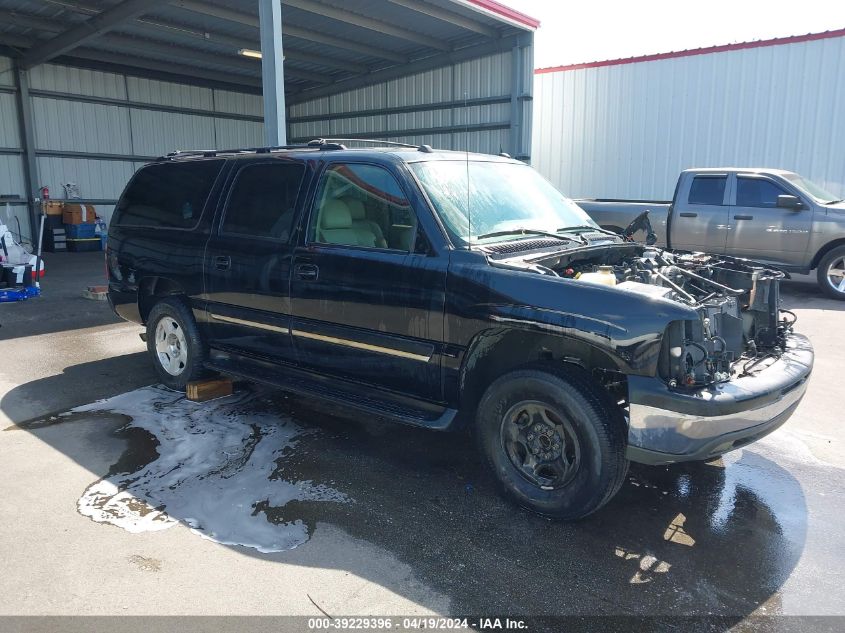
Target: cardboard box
{"x": 78, "y": 214}
{"x": 54, "y": 207}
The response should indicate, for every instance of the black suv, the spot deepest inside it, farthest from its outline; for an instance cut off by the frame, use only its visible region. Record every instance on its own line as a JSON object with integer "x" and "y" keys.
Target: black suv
{"x": 447, "y": 290}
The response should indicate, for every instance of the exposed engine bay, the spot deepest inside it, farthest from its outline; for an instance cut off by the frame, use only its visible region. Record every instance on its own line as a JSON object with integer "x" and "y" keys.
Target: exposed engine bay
{"x": 740, "y": 326}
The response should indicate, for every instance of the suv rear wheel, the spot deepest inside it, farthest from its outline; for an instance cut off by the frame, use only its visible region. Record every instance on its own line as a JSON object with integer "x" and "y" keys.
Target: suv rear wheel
{"x": 831, "y": 273}
{"x": 554, "y": 441}
{"x": 175, "y": 344}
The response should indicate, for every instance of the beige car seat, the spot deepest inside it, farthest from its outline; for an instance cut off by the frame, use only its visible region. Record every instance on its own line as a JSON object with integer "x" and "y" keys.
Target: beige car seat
{"x": 362, "y": 223}
{"x": 335, "y": 226}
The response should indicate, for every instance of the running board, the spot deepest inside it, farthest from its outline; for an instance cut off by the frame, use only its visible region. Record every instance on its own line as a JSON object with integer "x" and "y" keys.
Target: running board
{"x": 336, "y": 391}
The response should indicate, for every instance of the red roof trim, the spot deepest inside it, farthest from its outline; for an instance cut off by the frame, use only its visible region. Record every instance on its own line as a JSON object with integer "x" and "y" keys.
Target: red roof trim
{"x": 696, "y": 51}
{"x": 507, "y": 12}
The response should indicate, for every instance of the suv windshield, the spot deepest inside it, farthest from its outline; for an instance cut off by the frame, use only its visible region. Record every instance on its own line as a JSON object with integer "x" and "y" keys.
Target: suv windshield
{"x": 811, "y": 188}
{"x": 502, "y": 198}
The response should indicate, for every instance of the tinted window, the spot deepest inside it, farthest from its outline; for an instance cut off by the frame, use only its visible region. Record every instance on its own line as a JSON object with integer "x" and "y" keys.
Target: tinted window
{"x": 363, "y": 205}
{"x": 757, "y": 192}
{"x": 168, "y": 194}
{"x": 263, "y": 200}
{"x": 707, "y": 190}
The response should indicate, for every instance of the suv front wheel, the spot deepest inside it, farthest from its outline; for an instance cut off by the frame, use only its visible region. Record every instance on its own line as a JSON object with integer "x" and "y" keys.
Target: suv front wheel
{"x": 175, "y": 344}
{"x": 554, "y": 440}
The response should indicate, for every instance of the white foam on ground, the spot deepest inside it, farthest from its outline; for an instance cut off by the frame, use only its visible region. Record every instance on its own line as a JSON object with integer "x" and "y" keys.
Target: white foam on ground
{"x": 214, "y": 467}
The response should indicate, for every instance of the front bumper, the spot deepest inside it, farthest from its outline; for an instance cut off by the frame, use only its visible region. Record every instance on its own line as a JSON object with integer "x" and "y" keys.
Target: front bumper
{"x": 667, "y": 426}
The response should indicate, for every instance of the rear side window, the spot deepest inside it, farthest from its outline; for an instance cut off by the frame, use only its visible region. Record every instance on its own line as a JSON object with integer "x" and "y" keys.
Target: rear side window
{"x": 757, "y": 192}
{"x": 707, "y": 190}
{"x": 263, "y": 200}
{"x": 168, "y": 194}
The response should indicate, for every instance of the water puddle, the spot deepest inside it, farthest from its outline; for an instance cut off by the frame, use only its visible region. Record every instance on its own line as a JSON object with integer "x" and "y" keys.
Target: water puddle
{"x": 213, "y": 467}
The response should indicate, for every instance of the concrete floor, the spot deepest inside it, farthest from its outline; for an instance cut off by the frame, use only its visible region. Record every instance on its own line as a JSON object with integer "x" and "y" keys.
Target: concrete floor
{"x": 422, "y": 531}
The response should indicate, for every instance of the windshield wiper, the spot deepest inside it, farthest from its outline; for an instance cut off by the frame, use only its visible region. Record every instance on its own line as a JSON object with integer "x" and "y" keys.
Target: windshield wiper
{"x": 524, "y": 232}
{"x": 587, "y": 226}
{"x": 833, "y": 201}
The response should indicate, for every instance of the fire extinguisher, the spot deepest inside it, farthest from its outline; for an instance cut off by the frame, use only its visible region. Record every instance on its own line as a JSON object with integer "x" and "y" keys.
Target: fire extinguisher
{"x": 45, "y": 197}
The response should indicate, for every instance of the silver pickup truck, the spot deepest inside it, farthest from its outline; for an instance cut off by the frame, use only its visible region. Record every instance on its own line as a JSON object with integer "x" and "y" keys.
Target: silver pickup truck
{"x": 768, "y": 215}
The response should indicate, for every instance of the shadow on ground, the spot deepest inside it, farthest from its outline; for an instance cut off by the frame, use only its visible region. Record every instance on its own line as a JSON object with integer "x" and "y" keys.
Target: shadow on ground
{"x": 799, "y": 293}
{"x": 61, "y": 306}
{"x": 715, "y": 539}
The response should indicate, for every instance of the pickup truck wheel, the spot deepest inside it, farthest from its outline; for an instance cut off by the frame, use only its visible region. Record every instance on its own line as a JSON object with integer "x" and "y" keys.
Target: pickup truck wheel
{"x": 175, "y": 344}
{"x": 554, "y": 440}
{"x": 831, "y": 273}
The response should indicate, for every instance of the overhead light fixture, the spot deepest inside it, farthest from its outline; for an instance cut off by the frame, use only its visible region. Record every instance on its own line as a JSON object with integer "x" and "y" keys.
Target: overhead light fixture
{"x": 248, "y": 52}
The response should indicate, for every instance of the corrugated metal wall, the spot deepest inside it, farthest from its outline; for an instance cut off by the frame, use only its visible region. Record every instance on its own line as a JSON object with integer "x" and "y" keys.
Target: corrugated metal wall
{"x": 626, "y": 131}
{"x": 96, "y": 128}
{"x": 11, "y": 158}
{"x": 463, "y": 106}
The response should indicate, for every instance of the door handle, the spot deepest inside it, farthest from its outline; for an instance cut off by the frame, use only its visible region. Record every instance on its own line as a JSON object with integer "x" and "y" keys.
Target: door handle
{"x": 687, "y": 214}
{"x": 307, "y": 272}
{"x": 222, "y": 262}
{"x": 743, "y": 217}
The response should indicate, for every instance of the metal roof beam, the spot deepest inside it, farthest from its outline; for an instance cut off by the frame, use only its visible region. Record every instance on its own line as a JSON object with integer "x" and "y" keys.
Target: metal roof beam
{"x": 30, "y": 21}
{"x": 122, "y": 41}
{"x": 188, "y": 54}
{"x": 19, "y": 42}
{"x": 417, "y": 66}
{"x": 239, "y": 43}
{"x": 445, "y": 15}
{"x": 88, "y": 30}
{"x": 183, "y": 32}
{"x": 385, "y": 28}
{"x": 166, "y": 67}
{"x": 337, "y": 42}
{"x": 239, "y": 17}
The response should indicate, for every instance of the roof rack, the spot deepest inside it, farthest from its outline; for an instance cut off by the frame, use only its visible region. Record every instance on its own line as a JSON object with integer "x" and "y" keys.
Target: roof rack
{"x": 208, "y": 153}
{"x": 318, "y": 143}
{"x": 374, "y": 141}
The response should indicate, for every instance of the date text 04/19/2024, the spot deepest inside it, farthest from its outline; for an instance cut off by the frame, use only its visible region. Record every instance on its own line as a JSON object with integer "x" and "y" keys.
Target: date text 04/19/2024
{"x": 427, "y": 623}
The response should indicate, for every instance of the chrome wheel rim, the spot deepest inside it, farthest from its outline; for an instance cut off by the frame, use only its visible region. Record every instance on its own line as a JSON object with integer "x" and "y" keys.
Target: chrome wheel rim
{"x": 541, "y": 444}
{"x": 836, "y": 274}
{"x": 171, "y": 346}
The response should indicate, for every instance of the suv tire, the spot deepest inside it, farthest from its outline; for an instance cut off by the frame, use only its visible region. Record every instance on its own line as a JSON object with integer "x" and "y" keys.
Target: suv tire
{"x": 834, "y": 260}
{"x": 175, "y": 344}
{"x": 554, "y": 440}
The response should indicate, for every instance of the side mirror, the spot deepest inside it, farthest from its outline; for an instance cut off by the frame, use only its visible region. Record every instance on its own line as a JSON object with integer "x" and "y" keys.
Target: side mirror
{"x": 790, "y": 202}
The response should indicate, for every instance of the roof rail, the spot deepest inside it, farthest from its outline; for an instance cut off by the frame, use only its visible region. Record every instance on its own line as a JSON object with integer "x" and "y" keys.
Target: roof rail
{"x": 374, "y": 141}
{"x": 208, "y": 153}
{"x": 319, "y": 143}
{"x": 325, "y": 144}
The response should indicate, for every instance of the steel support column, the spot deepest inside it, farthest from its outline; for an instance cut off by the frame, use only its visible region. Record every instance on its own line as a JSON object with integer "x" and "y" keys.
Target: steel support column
{"x": 522, "y": 78}
{"x": 30, "y": 165}
{"x": 516, "y": 88}
{"x": 272, "y": 72}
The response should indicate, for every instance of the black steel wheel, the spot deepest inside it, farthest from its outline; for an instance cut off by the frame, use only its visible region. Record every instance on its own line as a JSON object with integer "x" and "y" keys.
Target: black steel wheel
{"x": 541, "y": 444}
{"x": 554, "y": 440}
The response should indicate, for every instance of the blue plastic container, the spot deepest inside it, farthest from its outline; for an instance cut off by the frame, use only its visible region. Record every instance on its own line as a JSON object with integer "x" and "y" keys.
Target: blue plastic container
{"x": 80, "y": 231}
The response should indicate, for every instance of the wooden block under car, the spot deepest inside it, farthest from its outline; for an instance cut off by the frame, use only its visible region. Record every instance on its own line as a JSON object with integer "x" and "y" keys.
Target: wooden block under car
{"x": 202, "y": 390}
{"x": 97, "y": 293}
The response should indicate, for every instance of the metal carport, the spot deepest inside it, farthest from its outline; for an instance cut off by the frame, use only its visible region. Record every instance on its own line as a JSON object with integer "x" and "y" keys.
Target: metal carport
{"x": 90, "y": 90}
